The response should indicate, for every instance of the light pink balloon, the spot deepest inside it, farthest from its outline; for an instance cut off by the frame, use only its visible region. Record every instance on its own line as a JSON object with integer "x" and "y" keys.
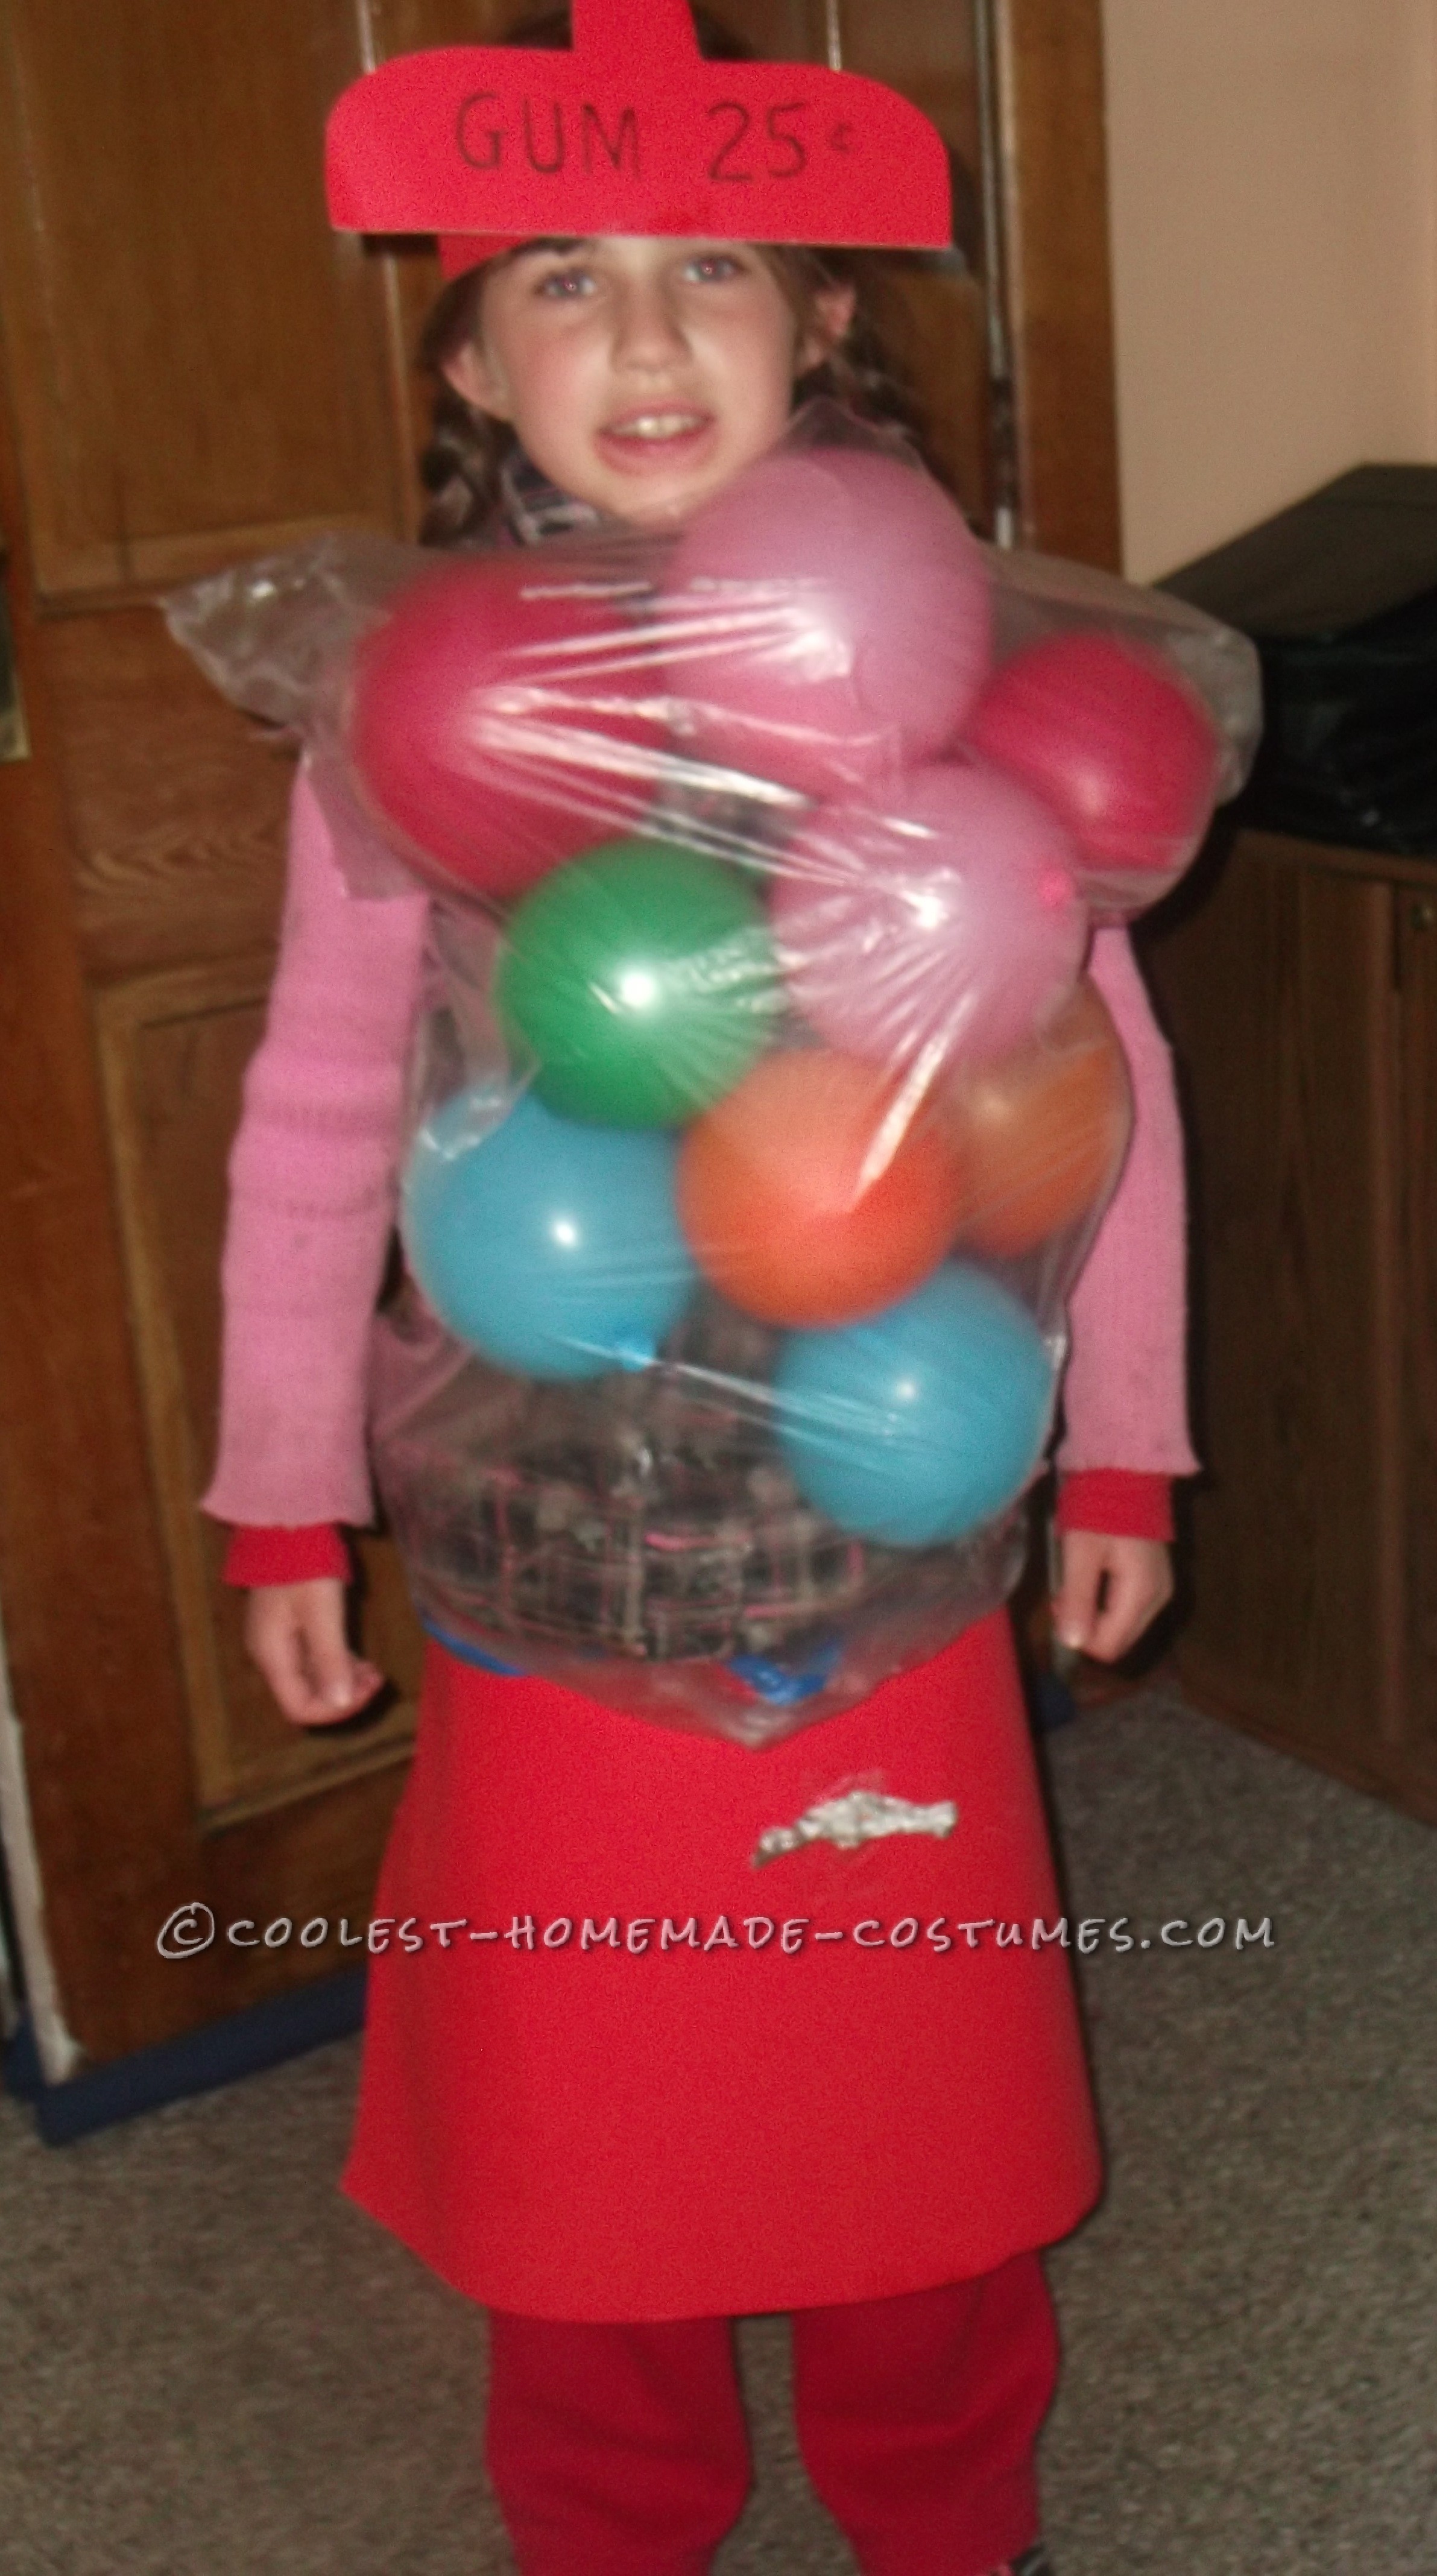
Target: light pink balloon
{"x": 826, "y": 621}
{"x": 944, "y": 927}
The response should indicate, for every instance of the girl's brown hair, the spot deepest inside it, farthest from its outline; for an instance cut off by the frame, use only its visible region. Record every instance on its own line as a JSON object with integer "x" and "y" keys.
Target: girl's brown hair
{"x": 461, "y": 466}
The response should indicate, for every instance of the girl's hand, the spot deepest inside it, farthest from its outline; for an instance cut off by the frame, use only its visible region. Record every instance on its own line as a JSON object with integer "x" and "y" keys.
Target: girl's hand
{"x": 1111, "y": 1590}
{"x": 295, "y": 1633}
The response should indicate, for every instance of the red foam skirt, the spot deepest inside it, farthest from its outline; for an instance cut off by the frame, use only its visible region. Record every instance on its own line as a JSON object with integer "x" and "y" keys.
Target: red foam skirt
{"x": 675, "y": 2126}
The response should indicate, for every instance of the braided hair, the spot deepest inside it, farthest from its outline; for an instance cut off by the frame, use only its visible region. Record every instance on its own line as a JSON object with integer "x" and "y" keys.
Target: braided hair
{"x": 461, "y": 465}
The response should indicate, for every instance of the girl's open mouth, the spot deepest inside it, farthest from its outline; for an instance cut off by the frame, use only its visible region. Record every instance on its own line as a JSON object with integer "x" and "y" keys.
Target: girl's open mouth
{"x": 647, "y": 442}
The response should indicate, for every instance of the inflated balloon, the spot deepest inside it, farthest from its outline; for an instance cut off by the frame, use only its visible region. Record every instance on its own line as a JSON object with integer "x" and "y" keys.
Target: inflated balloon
{"x": 1042, "y": 1135}
{"x": 549, "y": 1248}
{"x": 641, "y": 981}
{"x": 921, "y": 1423}
{"x": 825, "y": 620}
{"x": 1115, "y": 740}
{"x": 818, "y": 1190}
{"x": 941, "y": 928}
{"x": 499, "y": 721}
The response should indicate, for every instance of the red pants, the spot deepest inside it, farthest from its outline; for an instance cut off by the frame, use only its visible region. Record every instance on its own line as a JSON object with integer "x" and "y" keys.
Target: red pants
{"x": 621, "y": 2450}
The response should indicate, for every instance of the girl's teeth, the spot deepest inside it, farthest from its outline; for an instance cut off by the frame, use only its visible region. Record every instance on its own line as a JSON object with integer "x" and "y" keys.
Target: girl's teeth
{"x": 662, "y": 424}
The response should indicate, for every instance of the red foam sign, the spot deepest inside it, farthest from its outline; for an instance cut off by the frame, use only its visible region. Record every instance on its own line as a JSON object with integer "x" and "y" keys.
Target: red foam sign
{"x": 633, "y": 132}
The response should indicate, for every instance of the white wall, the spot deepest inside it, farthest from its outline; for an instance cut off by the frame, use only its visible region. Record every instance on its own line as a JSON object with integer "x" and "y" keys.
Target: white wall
{"x": 1273, "y": 179}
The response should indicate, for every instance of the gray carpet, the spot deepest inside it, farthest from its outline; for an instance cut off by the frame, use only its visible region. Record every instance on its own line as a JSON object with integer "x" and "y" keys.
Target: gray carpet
{"x": 211, "y": 2366}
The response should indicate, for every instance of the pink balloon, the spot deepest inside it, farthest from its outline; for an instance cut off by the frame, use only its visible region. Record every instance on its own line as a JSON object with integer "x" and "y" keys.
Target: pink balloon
{"x": 1114, "y": 739}
{"x": 496, "y": 718}
{"x": 827, "y": 621}
{"x": 945, "y": 929}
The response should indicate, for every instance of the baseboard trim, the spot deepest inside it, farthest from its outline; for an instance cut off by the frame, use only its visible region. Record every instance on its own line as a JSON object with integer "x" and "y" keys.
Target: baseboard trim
{"x": 245, "y": 2043}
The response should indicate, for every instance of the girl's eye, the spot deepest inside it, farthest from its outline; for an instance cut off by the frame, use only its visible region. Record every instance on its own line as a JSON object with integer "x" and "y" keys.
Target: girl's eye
{"x": 715, "y": 267}
{"x": 564, "y": 285}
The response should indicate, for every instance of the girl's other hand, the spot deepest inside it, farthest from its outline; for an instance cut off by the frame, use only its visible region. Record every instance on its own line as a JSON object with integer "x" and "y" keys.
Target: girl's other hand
{"x": 295, "y": 1633}
{"x": 1111, "y": 1590}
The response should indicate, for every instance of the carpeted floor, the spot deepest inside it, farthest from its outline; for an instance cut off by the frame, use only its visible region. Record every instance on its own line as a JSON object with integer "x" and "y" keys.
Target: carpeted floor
{"x": 211, "y": 2366}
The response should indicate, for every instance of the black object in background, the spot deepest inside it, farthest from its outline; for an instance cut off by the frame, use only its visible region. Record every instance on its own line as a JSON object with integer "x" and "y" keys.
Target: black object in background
{"x": 1339, "y": 594}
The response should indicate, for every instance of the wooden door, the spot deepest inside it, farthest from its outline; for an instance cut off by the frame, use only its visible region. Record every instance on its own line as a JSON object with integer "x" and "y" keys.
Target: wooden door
{"x": 195, "y": 370}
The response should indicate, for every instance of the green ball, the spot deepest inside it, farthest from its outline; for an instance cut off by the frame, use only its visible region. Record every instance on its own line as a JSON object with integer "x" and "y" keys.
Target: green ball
{"x": 640, "y": 982}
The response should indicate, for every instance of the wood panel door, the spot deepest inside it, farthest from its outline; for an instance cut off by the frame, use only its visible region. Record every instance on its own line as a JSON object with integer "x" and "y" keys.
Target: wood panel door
{"x": 196, "y": 370}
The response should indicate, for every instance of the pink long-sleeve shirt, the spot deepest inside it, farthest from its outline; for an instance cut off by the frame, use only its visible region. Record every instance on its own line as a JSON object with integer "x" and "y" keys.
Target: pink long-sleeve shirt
{"x": 313, "y": 1185}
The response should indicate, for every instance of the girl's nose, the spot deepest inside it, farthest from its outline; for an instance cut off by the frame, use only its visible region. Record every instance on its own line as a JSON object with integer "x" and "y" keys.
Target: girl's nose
{"x": 647, "y": 328}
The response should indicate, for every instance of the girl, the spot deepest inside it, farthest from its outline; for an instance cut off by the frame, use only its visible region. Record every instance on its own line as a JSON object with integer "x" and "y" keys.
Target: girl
{"x": 627, "y": 2089}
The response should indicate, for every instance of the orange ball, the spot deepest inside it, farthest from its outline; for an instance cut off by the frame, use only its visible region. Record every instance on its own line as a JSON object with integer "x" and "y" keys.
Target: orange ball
{"x": 1042, "y": 1133}
{"x": 815, "y": 1193}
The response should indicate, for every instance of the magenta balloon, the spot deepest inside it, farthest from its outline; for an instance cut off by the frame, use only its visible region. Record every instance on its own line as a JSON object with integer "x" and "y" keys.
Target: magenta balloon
{"x": 827, "y": 621}
{"x": 1115, "y": 741}
{"x": 497, "y": 722}
{"x": 946, "y": 927}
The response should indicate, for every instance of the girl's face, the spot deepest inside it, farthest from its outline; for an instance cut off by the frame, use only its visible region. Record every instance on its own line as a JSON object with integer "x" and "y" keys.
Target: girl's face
{"x": 638, "y": 373}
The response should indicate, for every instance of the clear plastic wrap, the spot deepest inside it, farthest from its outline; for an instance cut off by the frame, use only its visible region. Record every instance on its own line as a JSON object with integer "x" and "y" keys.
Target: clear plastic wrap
{"x": 766, "y": 1112}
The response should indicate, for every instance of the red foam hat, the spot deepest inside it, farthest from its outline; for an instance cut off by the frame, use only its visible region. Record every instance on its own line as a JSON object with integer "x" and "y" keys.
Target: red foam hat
{"x": 631, "y": 132}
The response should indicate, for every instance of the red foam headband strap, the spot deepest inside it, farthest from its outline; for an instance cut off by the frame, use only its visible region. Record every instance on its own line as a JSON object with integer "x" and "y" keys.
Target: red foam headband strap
{"x": 459, "y": 252}
{"x": 633, "y": 132}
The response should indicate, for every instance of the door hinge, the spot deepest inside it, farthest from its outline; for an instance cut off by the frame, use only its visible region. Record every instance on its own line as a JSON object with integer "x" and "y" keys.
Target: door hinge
{"x": 14, "y": 740}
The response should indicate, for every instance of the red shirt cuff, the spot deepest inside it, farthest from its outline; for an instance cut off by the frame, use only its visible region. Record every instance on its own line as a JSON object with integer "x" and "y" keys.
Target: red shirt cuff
{"x": 256, "y": 1557}
{"x": 1116, "y": 1502}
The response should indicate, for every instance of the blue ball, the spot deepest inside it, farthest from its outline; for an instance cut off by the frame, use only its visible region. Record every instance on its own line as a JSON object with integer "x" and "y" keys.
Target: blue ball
{"x": 919, "y": 1424}
{"x": 552, "y": 1249}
